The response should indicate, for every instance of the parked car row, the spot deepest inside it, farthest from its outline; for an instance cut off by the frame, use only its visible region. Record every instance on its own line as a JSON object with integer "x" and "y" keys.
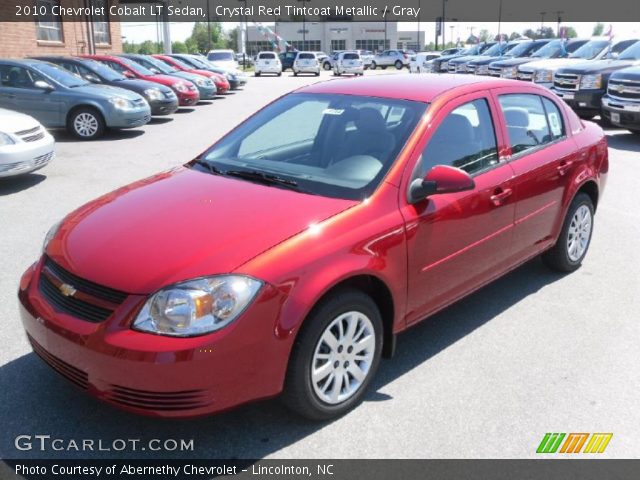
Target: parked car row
{"x": 348, "y": 61}
{"x": 91, "y": 93}
{"x": 593, "y": 76}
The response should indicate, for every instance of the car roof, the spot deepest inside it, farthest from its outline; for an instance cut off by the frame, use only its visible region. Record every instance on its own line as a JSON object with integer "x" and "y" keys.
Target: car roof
{"x": 420, "y": 88}
{"x": 23, "y": 61}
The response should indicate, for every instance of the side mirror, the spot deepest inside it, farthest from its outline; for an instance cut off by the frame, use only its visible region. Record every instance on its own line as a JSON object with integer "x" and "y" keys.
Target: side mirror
{"x": 92, "y": 78}
{"x": 154, "y": 70}
{"x": 42, "y": 85}
{"x": 440, "y": 179}
{"x": 128, "y": 74}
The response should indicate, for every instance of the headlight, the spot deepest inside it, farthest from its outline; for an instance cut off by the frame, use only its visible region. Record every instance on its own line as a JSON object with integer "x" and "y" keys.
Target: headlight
{"x": 229, "y": 76}
{"x": 201, "y": 82}
{"x": 120, "y": 103}
{"x": 5, "y": 139}
{"x": 509, "y": 72}
{"x": 543, "y": 76}
{"x": 50, "y": 234}
{"x": 181, "y": 87}
{"x": 153, "y": 94}
{"x": 198, "y": 306}
{"x": 590, "y": 82}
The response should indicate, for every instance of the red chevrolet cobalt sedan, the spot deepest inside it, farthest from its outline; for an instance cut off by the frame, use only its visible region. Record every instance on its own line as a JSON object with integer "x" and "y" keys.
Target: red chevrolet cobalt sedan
{"x": 287, "y": 257}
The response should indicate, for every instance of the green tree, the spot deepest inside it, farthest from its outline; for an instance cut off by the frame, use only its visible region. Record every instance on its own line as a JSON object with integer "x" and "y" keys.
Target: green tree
{"x": 546, "y": 32}
{"x": 128, "y": 47}
{"x": 192, "y": 45}
{"x": 484, "y": 35}
{"x": 204, "y": 42}
{"x": 148, "y": 48}
{"x": 179, "y": 47}
{"x": 232, "y": 39}
{"x": 570, "y": 32}
{"x": 514, "y": 36}
{"x": 598, "y": 29}
{"x": 529, "y": 33}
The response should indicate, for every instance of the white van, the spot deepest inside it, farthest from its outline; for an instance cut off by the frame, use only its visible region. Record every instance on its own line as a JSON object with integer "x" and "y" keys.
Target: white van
{"x": 267, "y": 62}
{"x": 223, "y": 58}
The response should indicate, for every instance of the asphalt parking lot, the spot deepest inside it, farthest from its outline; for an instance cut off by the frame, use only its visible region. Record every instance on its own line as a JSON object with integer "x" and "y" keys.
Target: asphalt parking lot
{"x": 534, "y": 352}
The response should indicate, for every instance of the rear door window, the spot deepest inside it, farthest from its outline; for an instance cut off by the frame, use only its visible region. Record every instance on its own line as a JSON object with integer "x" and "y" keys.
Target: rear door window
{"x": 527, "y": 122}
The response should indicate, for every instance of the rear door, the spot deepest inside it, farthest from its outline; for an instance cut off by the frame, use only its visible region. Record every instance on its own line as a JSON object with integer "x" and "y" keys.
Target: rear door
{"x": 542, "y": 157}
{"x": 458, "y": 241}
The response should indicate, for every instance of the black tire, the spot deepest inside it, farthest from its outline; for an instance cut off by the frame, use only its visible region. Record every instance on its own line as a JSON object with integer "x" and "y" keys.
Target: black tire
{"x": 317, "y": 74}
{"x": 86, "y": 112}
{"x": 557, "y": 258}
{"x": 299, "y": 394}
{"x": 295, "y": 74}
{"x": 256, "y": 74}
{"x": 279, "y": 74}
{"x": 326, "y": 66}
{"x": 384, "y": 67}
{"x": 373, "y": 65}
{"x": 398, "y": 65}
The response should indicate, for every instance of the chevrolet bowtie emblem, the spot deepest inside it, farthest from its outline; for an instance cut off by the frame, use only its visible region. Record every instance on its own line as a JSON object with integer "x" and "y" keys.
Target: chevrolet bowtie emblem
{"x": 67, "y": 290}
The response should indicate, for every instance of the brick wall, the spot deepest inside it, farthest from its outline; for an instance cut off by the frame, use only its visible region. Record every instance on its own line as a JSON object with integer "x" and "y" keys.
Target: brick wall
{"x": 19, "y": 39}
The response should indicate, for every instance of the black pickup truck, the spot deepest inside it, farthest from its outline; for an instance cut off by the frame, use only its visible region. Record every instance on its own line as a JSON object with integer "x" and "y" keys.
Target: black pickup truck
{"x": 583, "y": 85}
{"x": 621, "y": 104}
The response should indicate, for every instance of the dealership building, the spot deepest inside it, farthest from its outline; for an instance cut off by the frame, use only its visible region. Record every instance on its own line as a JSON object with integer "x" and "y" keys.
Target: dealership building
{"x": 55, "y": 35}
{"x": 330, "y": 36}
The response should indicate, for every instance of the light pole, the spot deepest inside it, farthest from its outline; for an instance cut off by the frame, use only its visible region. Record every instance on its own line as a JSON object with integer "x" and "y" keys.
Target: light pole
{"x": 304, "y": 25}
{"x": 451, "y": 27}
{"x": 246, "y": 36}
{"x": 443, "y": 23}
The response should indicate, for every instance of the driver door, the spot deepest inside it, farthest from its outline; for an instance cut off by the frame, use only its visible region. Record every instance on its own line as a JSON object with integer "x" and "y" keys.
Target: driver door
{"x": 458, "y": 241}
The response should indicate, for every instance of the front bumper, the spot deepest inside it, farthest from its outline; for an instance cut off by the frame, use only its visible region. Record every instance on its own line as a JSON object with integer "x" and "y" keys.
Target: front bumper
{"x": 163, "y": 107}
{"x": 306, "y": 69}
{"x": 135, "y": 117}
{"x": 158, "y": 375}
{"x": 207, "y": 93}
{"x": 352, "y": 70}
{"x": 269, "y": 69}
{"x": 581, "y": 100}
{"x": 621, "y": 113}
{"x": 186, "y": 99}
{"x": 25, "y": 157}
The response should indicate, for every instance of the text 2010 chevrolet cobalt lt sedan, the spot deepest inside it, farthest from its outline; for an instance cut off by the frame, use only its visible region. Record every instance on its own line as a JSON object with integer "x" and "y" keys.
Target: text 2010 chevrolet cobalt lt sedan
{"x": 287, "y": 256}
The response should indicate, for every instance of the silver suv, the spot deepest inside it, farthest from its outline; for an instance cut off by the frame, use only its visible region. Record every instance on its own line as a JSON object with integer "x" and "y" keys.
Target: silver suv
{"x": 388, "y": 58}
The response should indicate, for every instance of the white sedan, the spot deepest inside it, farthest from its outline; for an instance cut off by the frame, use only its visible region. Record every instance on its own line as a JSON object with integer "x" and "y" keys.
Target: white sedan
{"x": 25, "y": 145}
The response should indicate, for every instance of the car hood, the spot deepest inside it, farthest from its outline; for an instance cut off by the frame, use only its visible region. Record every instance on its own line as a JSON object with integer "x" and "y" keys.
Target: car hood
{"x": 483, "y": 60}
{"x": 179, "y": 225}
{"x": 141, "y": 85}
{"x": 192, "y": 77}
{"x": 553, "y": 63}
{"x": 512, "y": 62}
{"x": 598, "y": 66}
{"x": 631, "y": 73}
{"x": 105, "y": 91}
{"x": 464, "y": 59}
{"x": 11, "y": 121}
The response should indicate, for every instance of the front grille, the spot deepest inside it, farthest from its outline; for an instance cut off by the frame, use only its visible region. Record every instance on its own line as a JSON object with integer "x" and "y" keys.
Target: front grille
{"x": 566, "y": 81}
{"x": 77, "y": 297}
{"x": 495, "y": 71}
{"x": 180, "y": 400}
{"x": 70, "y": 305}
{"x": 452, "y": 68}
{"x": 141, "y": 102}
{"x": 525, "y": 76}
{"x": 31, "y": 135}
{"x": 169, "y": 95}
{"x": 70, "y": 372}
{"x": 90, "y": 288}
{"x": 624, "y": 89}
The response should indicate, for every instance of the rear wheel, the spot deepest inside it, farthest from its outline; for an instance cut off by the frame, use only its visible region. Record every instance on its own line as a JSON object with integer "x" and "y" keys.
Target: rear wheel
{"x": 86, "y": 123}
{"x": 326, "y": 66}
{"x": 373, "y": 65}
{"x": 572, "y": 245}
{"x": 295, "y": 74}
{"x": 335, "y": 356}
{"x": 398, "y": 65}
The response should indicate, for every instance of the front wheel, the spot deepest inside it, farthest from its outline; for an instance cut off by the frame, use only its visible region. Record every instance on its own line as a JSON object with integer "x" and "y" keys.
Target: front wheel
{"x": 572, "y": 245}
{"x": 398, "y": 65}
{"x": 335, "y": 356}
{"x": 373, "y": 65}
{"x": 86, "y": 123}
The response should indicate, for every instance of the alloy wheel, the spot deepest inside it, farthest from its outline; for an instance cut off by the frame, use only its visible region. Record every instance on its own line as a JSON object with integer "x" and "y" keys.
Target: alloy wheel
{"x": 343, "y": 357}
{"x": 579, "y": 233}
{"x": 86, "y": 124}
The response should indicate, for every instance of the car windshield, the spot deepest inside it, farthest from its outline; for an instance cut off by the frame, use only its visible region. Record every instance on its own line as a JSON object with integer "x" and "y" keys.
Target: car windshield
{"x": 220, "y": 56}
{"x": 620, "y": 47}
{"x": 631, "y": 53}
{"x": 590, "y": 49}
{"x": 521, "y": 49}
{"x": 178, "y": 62}
{"x": 551, "y": 49}
{"x": 100, "y": 69}
{"x": 482, "y": 49}
{"x": 495, "y": 50}
{"x": 194, "y": 62}
{"x": 332, "y": 145}
{"x": 136, "y": 67}
{"x": 60, "y": 75}
{"x": 153, "y": 63}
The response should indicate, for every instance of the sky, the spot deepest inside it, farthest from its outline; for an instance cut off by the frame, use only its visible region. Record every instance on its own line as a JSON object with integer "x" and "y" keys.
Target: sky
{"x": 180, "y": 31}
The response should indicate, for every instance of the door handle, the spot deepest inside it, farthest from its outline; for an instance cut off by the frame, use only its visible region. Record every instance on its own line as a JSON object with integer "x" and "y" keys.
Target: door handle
{"x": 500, "y": 195}
{"x": 564, "y": 166}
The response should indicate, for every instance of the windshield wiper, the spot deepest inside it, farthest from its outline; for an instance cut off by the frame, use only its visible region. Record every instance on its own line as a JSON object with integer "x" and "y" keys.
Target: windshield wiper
{"x": 209, "y": 166}
{"x": 262, "y": 177}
